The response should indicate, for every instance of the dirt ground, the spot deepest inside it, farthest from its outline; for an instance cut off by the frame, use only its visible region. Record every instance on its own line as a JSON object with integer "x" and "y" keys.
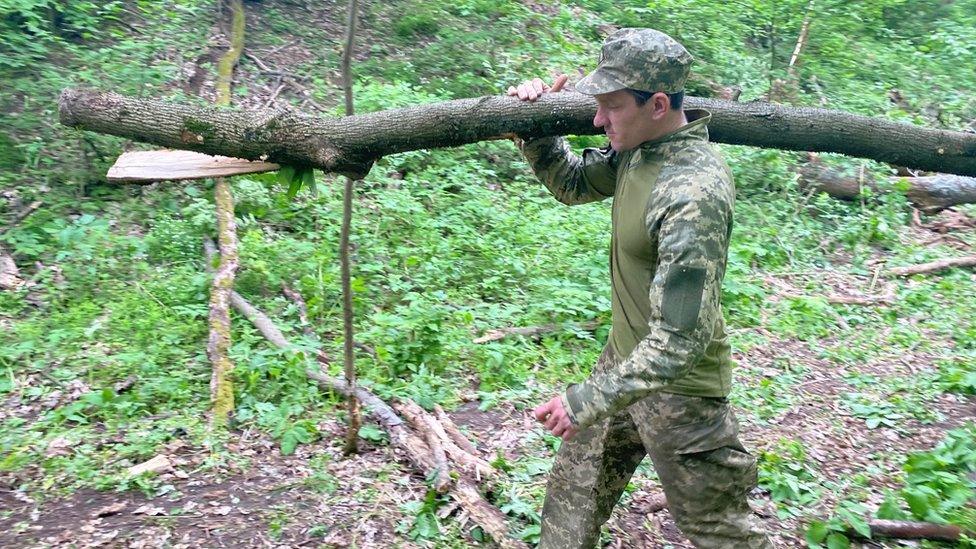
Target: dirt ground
{"x": 279, "y": 501}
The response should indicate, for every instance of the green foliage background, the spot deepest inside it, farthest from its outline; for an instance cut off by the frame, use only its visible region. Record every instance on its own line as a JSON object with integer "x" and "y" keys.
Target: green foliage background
{"x": 451, "y": 243}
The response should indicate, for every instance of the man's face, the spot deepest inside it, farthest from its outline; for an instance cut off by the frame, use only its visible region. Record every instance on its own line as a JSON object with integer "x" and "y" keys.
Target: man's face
{"x": 626, "y": 124}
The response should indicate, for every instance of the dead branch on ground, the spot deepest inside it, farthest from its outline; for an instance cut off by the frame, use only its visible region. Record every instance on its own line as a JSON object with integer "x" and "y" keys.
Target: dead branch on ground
{"x": 934, "y": 266}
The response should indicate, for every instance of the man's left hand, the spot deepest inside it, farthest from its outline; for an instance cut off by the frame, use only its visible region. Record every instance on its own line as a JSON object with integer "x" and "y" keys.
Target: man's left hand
{"x": 555, "y": 418}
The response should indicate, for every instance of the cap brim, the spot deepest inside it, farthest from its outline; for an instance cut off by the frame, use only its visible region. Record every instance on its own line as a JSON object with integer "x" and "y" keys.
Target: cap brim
{"x": 597, "y": 82}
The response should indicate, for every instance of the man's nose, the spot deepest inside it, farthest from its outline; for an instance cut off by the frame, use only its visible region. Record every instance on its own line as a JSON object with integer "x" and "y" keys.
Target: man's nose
{"x": 600, "y": 119}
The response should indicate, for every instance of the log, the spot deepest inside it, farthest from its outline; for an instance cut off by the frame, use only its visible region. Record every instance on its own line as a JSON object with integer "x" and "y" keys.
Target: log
{"x": 930, "y": 194}
{"x": 935, "y": 193}
{"x": 470, "y": 462}
{"x": 349, "y": 145}
{"x": 420, "y": 422}
{"x": 934, "y": 266}
{"x": 904, "y": 529}
{"x": 456, "y": 435}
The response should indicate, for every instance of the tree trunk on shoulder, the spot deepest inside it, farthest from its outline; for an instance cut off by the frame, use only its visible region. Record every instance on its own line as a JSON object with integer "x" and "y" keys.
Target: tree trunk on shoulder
{"x": 349, "y": 145}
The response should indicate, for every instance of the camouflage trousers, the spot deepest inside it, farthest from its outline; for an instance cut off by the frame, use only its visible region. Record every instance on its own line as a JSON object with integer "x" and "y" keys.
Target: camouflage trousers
{"x": 694, "y": 446}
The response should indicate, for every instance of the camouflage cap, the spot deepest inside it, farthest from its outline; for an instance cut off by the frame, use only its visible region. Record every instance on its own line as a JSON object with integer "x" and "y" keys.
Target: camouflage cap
{"x": 642, "y": 59}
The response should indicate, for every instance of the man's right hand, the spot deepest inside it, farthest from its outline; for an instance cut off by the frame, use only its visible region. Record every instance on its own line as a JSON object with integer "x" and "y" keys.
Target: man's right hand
{"x": 530, "y": 90}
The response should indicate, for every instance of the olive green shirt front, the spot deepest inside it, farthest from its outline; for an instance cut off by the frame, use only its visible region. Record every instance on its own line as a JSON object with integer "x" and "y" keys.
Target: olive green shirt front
{"x": 671, "y": 223}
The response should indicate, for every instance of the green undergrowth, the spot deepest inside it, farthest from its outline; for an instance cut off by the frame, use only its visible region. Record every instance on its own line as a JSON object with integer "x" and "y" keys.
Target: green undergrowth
{"x": 103, "y": 357}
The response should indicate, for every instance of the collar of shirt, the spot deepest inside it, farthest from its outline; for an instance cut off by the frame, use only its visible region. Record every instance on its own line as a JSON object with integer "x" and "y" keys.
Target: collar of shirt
{"x": 696, "y": 128}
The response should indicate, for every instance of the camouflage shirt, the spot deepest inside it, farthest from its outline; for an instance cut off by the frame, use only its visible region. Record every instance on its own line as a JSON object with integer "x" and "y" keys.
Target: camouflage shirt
{"x": 672, "y": 218}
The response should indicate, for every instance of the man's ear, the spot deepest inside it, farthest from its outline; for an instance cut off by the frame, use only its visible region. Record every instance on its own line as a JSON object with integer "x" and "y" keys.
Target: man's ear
{"x": 660, "y": 104}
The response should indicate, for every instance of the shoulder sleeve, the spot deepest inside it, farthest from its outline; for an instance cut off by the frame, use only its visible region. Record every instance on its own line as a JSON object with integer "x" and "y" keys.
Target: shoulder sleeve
{"x": 570, "y": 178}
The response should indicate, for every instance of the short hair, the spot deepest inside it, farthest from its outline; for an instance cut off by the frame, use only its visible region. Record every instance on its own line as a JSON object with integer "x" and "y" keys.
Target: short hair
{"x": 676, "y": 99}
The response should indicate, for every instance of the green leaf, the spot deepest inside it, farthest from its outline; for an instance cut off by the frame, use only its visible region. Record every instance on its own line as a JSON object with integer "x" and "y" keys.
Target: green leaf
{"x": 838, "y": 541}
{"x": 286, "y": 174}
{"x": 289, "y": 441}
{"x": 860, "y": 526}
{"x": 890, "y": 510}
{"x": 294, "y": 187}
{"x": 917, "y": 502}
{"x": 372, "y": 433}
{"x": 308, "y": 177}
{"x": 817, "y": 532}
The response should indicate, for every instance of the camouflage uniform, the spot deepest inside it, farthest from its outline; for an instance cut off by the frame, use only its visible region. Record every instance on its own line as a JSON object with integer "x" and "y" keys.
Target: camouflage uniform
{"x": 661, "y": 384}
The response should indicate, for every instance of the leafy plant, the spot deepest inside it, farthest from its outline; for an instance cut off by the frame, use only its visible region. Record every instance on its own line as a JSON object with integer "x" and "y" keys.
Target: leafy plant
{"x": 788, "y": 477}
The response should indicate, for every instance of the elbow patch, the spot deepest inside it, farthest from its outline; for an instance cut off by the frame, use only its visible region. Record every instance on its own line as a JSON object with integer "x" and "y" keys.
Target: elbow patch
{"x": 682, "y": 297}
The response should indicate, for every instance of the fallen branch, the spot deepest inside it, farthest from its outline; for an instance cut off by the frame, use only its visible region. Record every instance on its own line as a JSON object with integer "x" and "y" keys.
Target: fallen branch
{"x": 349, "y": 145}
{"x": 465, "y": 492}
{"x": 801, "y": 39}
{"x": 866, "y": 301}
{"x": 934, "y": 266}
{"x": 455, "y": 433}
{"x": 930, "y": 194}
{"x": 470, "y": 462}
{"x": 442, "y": 474}
{"x": 531, "y": 331}
{"x": 903, "y": 529}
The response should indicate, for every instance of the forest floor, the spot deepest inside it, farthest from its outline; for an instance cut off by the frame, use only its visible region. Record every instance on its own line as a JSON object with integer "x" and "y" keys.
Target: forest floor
{"x": 358, "y": 501}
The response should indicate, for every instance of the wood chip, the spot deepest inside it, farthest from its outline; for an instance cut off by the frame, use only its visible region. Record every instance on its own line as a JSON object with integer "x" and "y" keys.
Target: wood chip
{"x": 167, "y": 165}
{"x": 109, "y": 510}
{"x": 155, "y": 465}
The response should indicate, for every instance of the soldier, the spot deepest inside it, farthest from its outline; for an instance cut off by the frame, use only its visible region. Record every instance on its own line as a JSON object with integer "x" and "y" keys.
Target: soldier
{"x": 660, "y": 387}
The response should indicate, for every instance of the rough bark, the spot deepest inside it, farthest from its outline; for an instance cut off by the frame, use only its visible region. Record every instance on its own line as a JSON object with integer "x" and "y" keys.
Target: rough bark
{"x": 442, "y": 474}
{"x": 456, "y": 435}
{"x": 935, "y": 193}
{"x": 218, "y": 344}
{"x": 465, "y": 492}
{"x": 931, "y": 194}
{"x": 468, "y": 461}
{"x": 352, "y": 434}
{"x": 349, "y": 145}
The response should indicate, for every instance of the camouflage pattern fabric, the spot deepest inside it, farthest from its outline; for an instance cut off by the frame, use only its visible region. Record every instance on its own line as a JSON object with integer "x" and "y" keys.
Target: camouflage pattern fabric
{"x": 693, "y": 443}
{"x": 672, "y": 217}
{"x": 641, "y": 59}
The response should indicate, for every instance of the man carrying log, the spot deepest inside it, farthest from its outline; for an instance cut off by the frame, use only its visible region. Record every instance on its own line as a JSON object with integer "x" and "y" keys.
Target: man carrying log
{"x": 660, "y": 386}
